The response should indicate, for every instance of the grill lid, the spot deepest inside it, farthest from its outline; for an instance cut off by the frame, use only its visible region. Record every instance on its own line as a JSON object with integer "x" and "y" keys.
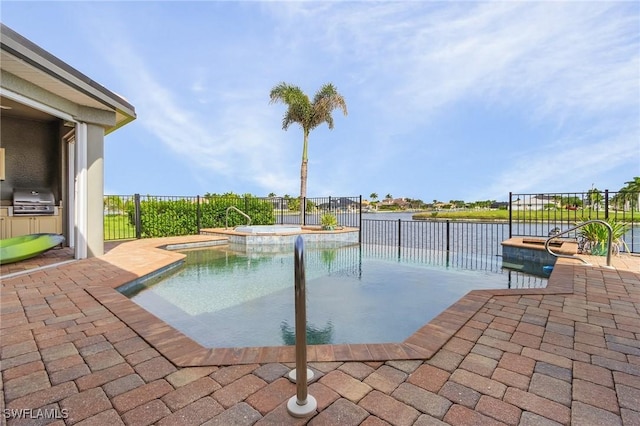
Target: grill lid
{"x": 32, "y": 196}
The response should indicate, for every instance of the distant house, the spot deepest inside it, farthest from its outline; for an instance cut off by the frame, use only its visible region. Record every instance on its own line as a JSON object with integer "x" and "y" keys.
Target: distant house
{"x": 400, "y": 202}
{"x": 499, "y": 205}
{"x": 279, "y": 203}
{"x": 339, "y": 204}
{"x": 534, "y": 202}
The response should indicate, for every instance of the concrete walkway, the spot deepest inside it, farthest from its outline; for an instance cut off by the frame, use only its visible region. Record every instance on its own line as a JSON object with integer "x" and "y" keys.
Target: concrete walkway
{"x": 72, "y": 352}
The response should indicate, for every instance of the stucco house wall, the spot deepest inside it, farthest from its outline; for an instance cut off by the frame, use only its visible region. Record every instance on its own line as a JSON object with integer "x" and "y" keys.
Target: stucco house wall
{"x": 54, "y": 120}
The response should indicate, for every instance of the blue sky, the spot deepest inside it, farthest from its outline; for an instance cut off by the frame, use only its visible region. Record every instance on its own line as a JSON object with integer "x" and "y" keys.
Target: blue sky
{"x": 446, "y": 100}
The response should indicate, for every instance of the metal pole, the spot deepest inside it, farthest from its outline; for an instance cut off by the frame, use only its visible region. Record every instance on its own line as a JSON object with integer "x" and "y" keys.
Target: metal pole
{"x": 510, "y": 214}
{"x": 198, "y": 214}
{"x": 448, "y": 233}
{"x": 138, "y": 226}
{"x": 303, "y": 209}
{"x": 399, "y": 238}
{"x": 609, "y": 242}
{"x": 566, "y": 256}
{"x": 360, "y": 221}
{"x": 302, "y": 403}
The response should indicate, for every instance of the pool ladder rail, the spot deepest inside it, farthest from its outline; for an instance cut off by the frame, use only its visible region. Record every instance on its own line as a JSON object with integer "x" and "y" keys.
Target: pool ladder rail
{"x": 566, "y": 256}
{"x": 301, "y": 404}
{"x": 226, "y": 219}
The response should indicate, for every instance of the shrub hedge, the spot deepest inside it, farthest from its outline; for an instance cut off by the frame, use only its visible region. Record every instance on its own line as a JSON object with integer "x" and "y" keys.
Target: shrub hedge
{"x": 163, "y": 218}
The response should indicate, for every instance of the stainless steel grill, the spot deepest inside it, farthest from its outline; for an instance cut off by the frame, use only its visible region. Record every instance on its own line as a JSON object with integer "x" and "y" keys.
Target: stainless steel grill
{"x": 29, "y": 202}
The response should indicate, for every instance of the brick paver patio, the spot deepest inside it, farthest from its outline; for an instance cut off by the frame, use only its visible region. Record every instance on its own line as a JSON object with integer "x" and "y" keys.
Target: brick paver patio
{"x": 73, "y": 351}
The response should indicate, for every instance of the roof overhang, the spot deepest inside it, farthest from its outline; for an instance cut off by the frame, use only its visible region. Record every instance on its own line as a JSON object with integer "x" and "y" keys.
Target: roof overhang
{"x": 28, "y": 62}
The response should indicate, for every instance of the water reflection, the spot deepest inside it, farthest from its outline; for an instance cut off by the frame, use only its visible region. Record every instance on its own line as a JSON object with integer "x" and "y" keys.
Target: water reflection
{"x": 315, "y": 335}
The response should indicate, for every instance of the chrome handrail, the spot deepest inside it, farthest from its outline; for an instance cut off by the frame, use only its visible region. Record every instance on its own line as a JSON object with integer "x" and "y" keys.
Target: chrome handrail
{"x": 302, "y": 403}
{"x": 226, "y": 219}
{"x": 566, "y": 256}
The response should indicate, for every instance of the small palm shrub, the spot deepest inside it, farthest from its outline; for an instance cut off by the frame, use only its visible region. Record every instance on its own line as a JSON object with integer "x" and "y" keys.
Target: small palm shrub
{"x": 595, "y": 237}
{"x": 328, "y": 221}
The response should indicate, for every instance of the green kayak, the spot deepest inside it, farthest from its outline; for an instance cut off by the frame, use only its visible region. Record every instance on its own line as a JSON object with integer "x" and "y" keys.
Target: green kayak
{"x": 27, "y": 246}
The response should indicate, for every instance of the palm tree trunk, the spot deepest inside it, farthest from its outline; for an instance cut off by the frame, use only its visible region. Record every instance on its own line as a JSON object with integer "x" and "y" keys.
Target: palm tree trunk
{"x": 303, "y": 177}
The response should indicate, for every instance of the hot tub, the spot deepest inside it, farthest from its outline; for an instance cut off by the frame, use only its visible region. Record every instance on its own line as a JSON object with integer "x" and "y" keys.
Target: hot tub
{"x": 269, "y": 229}
{"x": 269, "y": 238}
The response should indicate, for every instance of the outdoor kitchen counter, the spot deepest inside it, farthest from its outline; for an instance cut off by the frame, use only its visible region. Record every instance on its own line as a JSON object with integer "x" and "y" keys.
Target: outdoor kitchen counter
{"x": 15, "y": 226}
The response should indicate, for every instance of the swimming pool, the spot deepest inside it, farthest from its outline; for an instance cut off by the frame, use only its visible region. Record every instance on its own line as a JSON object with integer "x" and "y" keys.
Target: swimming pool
{"x": 226, "y": 298}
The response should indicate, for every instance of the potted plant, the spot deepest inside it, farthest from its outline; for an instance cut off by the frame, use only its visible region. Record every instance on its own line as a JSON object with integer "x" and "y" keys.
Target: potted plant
{"x": 595, "y": 235}
{"x": 328, "y": 222}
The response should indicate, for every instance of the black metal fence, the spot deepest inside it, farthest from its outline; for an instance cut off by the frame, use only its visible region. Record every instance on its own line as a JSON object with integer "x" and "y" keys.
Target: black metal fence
{"x": 536, "y": 215}
{"x": 463, "y": 244}
{"x": 145, "y": 216}
{"x": 348, "y": 210}
{"x": 469, "y": 245}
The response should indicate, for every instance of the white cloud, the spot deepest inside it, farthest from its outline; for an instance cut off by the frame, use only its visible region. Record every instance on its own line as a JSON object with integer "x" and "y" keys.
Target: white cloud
{"x": 559, "y": 65}
{"x": 233, "y": 143}
{"x": 567, "y": 166}
{"x": 569, "y": 67}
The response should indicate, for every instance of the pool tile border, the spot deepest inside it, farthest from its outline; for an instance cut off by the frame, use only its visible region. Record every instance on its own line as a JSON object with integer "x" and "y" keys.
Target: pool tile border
{"x": 182, "y": 351}
{"x": 267, "y": 241}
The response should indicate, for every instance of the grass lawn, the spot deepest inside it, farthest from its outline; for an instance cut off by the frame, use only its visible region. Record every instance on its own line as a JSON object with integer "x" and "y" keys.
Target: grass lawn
{"x": 542, "y": 215}
{"x": 118, "y": 227}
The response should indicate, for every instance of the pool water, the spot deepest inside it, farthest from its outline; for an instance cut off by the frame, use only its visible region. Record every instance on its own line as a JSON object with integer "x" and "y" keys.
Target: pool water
{"x": 224, "y": 298}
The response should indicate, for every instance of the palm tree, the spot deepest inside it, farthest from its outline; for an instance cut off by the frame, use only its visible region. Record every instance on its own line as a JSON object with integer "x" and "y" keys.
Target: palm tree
{"x": 595, "y": 198}
{"x": 632, "y": 191}
{"x": 374, "y": 199}
{"x": 309, "y": 115}
{"x": 634, "y": 185}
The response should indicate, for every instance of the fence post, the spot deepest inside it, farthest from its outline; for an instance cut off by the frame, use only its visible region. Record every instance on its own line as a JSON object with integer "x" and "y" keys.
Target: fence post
{"x": 136, "y": 203}
{"x": 448, "y": 233}
{"x": 303, "y": 210}
{"x": 510, "y": 214}
{"x": 360, "y": 221}
{"x": 606, "y": 204}
{"x": 198, "y": 214}
{"x": 399, "y": 237}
